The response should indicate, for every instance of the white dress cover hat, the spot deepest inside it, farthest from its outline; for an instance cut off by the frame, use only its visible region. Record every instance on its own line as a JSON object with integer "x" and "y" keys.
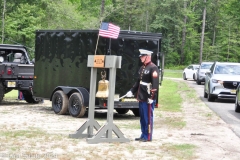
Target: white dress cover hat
{"x": 144, "y": 52}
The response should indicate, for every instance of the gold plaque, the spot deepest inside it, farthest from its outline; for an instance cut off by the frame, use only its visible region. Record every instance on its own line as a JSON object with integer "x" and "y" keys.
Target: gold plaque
{"x": 99, "y": 61}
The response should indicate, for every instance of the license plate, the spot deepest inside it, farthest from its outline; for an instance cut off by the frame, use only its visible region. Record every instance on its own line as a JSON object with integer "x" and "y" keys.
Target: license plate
{"x": 11, "y": 84}
{"x": 233, "y": 91}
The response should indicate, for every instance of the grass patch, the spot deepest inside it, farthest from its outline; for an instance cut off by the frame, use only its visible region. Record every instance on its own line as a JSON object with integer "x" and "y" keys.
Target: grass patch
{"x": 209, "y": 115}
{"x": 5, "y": 112}
{"x": 169, "y": 98}
{"x": 23, "y": 133}
{"x": 131, "y": 125}
{"x": 181, "y": 67}
{"x": 131, "y": 148}
{"x": 11, "y": 95}
{"x": 180, "y": 151}
{"x": 172, "y": 73}
{"x": 190, "y": 92}
{"x": 175, "y": 122}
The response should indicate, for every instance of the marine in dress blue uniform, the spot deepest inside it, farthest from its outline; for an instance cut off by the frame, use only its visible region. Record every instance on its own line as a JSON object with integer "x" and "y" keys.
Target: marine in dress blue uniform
{"x": 146, "y": 88}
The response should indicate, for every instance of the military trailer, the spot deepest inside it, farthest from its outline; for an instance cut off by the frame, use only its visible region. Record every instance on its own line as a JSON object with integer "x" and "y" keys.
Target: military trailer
{"x": 16, "y": 71}
{"x": 61, "y": 74}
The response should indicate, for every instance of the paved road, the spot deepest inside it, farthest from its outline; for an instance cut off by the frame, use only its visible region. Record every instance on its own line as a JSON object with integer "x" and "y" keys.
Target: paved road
{"x": 224, "y": 108}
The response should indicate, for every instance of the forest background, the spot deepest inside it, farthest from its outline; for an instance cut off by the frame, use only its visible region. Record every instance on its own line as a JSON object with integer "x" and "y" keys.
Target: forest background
{"x": 192, "y": 30}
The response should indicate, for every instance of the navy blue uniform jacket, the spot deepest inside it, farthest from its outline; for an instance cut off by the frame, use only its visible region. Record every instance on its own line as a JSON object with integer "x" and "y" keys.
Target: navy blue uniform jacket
{"x": 147, "y": 74}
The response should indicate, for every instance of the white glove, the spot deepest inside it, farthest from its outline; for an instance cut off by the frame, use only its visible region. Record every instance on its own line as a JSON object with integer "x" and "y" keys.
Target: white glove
{"x": 129, "y": 94}
{"x": 150, "y": 101}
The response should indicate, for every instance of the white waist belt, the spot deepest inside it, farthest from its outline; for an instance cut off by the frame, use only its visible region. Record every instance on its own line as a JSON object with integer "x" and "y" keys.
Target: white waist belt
{"x": 144, "y": 83}
{"x": 149, "y": 86}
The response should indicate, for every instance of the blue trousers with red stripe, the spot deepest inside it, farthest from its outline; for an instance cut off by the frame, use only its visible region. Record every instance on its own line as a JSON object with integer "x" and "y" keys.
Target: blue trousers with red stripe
{"x": 144, "y": 118}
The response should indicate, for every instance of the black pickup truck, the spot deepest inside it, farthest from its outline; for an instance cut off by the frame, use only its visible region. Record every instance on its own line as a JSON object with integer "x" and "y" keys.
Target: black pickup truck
{"x": 16, "y": 71}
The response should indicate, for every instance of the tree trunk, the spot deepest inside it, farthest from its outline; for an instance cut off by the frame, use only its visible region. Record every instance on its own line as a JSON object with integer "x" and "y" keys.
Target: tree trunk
{"x": 147, "y": 16}
{"x": 203, "y": 31}
{"x": 229, "y": 31}
{"x": 3, "y": 20}
{"x": 102, "y": 10}
{"x": 183, "y": 34}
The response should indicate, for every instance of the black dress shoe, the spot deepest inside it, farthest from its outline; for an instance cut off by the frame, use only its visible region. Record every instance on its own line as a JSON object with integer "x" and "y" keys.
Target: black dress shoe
{"x": 138, "y": 139}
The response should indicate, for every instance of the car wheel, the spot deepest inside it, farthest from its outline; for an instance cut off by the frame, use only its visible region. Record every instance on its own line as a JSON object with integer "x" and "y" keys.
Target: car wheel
{"x": 2, "y": 92}
{"x": 198, "y": 82}
{"x": 210, "y": 97}
{"x": 237, "y": 106}
{"x": 205, "y": 95}
{"x": 184, "y": 76}
{"x": 194, "y": 76}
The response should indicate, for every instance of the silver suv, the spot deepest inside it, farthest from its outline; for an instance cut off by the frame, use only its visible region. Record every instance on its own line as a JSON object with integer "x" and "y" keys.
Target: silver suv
{"x": 203, "y": 68}
{"x": 222, "y": 81}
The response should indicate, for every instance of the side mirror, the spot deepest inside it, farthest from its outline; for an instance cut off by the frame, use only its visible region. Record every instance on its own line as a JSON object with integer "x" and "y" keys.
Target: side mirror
{"x": 207, "y": 72}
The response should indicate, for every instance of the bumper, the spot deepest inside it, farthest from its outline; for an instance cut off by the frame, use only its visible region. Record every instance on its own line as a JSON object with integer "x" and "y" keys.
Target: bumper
{"x": 201, "y": 78}
{"x": 19, "y": 84}
{"x": 224, "y": 93}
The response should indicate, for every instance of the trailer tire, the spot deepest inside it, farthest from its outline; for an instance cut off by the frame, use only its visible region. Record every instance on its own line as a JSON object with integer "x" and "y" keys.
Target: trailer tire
{"x": 136, "y": 112}
{"x": 1, "y": 92}
{"x": 60, "y": 102}
{"x": 76, "y": 107}
{"x": 122, "y": 110}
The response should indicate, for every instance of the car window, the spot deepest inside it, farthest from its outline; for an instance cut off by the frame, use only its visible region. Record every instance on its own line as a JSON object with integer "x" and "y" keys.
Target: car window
{"x": 227, "y": 69}
{"x": 195, "y": 67}
{"x": 206, "y": 66}
{"x": 190, "y": 67}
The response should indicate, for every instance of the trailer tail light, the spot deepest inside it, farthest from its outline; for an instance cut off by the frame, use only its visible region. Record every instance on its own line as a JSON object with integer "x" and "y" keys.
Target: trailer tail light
{"x": 104, "y": 104}
{"x": 9, "y": 71}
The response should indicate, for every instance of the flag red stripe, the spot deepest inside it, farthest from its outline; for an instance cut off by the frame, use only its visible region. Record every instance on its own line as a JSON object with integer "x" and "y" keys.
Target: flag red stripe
{"x": 112, "y": 32}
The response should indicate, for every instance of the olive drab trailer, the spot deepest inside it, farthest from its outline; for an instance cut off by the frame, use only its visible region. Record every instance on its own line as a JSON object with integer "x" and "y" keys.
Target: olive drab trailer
{"x": 62, "y": 76}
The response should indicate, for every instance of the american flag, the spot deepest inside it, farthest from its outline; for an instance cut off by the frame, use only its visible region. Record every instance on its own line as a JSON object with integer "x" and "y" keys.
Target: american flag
{"x": 109, "y": 30}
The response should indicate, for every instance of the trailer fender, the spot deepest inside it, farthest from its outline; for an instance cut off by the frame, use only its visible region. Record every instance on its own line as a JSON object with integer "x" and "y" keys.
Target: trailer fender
{"x": 69, "y": 90}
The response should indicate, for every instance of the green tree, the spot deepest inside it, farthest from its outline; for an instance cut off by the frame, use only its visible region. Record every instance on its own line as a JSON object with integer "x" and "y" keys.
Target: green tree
{"x": 21, "y": 24}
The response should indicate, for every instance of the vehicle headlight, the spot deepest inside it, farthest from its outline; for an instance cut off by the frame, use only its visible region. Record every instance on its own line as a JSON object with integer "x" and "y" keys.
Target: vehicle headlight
{"x": 214, "y": 81}
{"x": 217, "y": 81}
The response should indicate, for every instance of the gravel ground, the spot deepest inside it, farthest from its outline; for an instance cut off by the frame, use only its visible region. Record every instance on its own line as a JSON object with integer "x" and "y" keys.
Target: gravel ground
{"x": 35, "y": 132}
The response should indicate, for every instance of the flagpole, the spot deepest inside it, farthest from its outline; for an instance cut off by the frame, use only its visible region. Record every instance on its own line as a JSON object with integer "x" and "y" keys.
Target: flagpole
{"x": 98, "y": 38}
{"x": 96, "y": 44}
{"x": 109, "y": 48}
